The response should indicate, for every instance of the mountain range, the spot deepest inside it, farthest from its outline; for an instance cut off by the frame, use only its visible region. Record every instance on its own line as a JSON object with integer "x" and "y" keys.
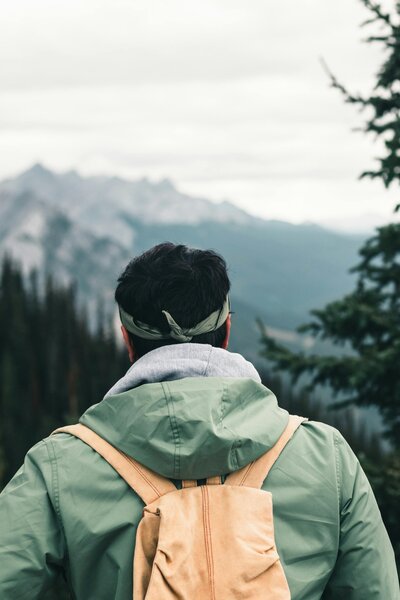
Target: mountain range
{"x": 86, "y": 229}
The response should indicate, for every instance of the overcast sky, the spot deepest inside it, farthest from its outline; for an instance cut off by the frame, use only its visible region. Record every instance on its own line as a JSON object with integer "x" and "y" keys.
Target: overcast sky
{"x": 225, "y": 97}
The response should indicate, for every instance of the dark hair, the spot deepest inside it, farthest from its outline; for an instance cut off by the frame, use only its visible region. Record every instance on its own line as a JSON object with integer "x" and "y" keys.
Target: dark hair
{"x": 187, "y": 282}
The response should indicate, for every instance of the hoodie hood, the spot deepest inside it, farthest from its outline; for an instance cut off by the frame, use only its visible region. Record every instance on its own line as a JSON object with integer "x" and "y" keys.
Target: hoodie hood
{"x": 184, "y": 360}
{"x": 189, "y": 411}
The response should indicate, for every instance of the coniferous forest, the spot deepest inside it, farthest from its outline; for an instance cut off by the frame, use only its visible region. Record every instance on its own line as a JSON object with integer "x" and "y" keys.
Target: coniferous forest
{"x": 53, "y": 364}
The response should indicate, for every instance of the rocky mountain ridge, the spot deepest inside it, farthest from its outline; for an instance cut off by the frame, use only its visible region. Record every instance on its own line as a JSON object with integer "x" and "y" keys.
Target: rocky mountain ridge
{"x": 86, "y": 229}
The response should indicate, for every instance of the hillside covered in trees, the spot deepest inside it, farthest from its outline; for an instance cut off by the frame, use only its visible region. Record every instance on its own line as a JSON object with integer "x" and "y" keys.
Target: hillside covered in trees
{"x": 52, "y": 365}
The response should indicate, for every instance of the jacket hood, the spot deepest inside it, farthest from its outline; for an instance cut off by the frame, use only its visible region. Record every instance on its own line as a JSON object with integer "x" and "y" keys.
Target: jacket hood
{"x": 193, "y": 426}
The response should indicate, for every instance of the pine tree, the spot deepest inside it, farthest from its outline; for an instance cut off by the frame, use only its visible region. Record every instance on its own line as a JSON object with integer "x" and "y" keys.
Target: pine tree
{"x": 383, "y": 103}
{"x": 365, "y": 324}
{"x": 53, "y": 364}
{"x": 367, "y": 321}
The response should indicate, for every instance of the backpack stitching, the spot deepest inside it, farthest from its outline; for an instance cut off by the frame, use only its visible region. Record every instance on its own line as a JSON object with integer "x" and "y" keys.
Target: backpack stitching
{"x": 210, "y": 545}
{"x": 142, "y": 473}
{"x": 207, "y": 540}
{"x": 246, "y": 473}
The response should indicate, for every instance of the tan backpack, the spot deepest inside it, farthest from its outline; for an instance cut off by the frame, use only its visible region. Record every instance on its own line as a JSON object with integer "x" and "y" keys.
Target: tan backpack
{"x": 212, "y": 541}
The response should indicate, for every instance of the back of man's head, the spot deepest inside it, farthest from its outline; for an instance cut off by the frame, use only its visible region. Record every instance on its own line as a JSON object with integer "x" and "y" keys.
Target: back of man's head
{"x": 188, "y": 283}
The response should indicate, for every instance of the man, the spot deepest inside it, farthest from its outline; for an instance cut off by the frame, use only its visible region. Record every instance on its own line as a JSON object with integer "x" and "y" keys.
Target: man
{"x": 188, "y": 409}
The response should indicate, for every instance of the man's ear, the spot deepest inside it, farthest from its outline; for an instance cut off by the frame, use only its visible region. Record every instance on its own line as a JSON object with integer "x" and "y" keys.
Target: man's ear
{"x": 228, "y": 332}
{"x": 128, "y": 343}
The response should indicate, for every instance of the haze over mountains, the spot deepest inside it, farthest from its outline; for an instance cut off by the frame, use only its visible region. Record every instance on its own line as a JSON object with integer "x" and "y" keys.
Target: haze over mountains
{"x": 87, "y": 228}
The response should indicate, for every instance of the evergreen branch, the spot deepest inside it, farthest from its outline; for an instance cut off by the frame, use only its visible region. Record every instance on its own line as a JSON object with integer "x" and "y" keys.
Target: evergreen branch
{"x": 352, "y": 99}
{"x": 380, "y": 15}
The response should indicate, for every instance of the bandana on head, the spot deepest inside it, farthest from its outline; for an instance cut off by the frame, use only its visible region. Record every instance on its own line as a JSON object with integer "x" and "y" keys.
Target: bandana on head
{"x": 181, "y": 334}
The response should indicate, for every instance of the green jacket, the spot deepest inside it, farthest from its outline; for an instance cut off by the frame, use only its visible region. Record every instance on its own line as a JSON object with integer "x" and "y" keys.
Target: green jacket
{"x": 66, "y": 508}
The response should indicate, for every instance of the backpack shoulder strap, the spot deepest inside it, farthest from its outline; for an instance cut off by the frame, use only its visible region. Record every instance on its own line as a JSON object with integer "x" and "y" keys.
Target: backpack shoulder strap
{"x": 255, "y": 473}
{"x": 145, "y": 482}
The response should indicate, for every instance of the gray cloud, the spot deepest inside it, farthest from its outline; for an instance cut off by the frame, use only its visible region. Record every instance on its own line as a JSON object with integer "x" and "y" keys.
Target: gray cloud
{"x": 226, "y": 98}
{"x": 47, "y": 44}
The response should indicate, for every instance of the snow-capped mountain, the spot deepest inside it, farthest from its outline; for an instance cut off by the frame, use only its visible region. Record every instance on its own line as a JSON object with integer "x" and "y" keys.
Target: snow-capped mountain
{"x": 105, "y": 204}
{"x": 86, "y": 229}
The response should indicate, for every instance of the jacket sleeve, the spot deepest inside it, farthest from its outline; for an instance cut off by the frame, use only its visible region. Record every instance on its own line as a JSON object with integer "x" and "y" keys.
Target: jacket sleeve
{"x": 365, "y": 567}
{"x": 32, "y": 548}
